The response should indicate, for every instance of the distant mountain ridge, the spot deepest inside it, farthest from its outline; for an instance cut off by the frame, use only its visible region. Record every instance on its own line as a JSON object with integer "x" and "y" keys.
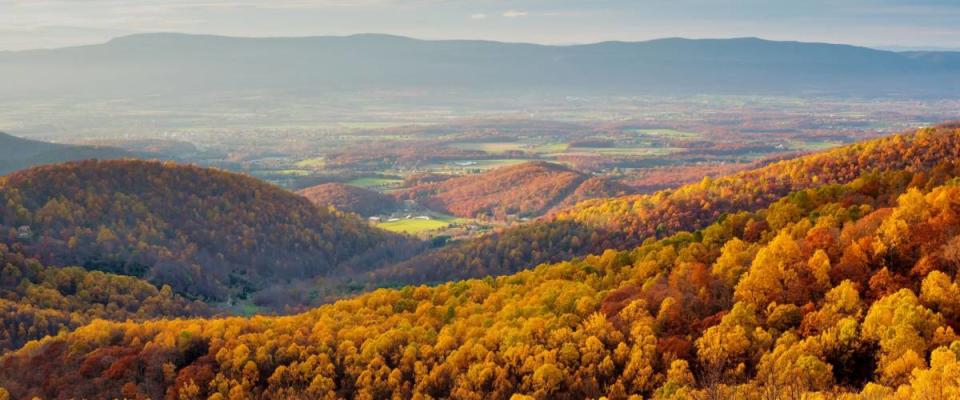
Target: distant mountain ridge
{"x": 175, "y": 64}
{"x": 19, "y": 153}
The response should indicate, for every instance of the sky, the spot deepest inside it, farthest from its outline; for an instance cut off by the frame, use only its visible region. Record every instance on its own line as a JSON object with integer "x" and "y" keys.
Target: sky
{"x": 906, "y": 24}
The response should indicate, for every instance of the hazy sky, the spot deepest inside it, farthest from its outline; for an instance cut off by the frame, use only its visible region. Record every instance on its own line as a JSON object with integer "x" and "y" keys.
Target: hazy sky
{"x": 28, "y": 24}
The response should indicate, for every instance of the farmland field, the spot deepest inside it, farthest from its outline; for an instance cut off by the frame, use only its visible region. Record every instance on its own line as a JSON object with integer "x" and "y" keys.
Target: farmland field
{"x": 416, "y": 226}
{"x": 316, "y": 163}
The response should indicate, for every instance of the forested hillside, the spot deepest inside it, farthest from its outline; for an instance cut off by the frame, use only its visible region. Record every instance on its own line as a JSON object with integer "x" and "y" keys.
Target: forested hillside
{"x": 842, "y": 290}
{"x": 18, "y": 153}
{"x": 38, "y": 300}
{"x": 624, "y": 222}
{"x": 204, "y": 232}
{"x": 595, "y": 187}
{"x": 526, "y": 190}
{"x": 364, "y": 202}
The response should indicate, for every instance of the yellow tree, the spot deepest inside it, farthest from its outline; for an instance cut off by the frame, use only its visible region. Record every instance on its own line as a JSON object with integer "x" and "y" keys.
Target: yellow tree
{"x": 904, "y": 329}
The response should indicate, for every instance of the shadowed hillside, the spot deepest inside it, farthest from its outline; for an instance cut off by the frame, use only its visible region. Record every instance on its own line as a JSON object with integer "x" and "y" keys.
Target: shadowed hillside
{"x": 364, "y": 202}
{"x": 18, "y": 153}
{"x": 38, "y": 300}
{"x": 202, "y": 231}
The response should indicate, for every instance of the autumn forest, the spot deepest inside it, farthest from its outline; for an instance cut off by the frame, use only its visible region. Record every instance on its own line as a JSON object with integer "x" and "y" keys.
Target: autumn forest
{"x": 832, "y": 275}
{"x": 479, "y": 200}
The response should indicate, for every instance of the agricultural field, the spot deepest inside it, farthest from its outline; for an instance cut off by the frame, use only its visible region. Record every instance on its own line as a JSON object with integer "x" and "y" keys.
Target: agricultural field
{"x": 316, "y": 163}
{"x": 417, "y": 225}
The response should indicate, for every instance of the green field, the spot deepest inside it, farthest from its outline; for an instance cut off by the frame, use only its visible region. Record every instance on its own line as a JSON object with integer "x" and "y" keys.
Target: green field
{"x": 374, "y": 182}
{"x": 311, "y": 163}
{"x": 415, "y": 226}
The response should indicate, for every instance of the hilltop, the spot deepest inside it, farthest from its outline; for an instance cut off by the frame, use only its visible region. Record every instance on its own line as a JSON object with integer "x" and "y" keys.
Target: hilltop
{"x": 205, "y": 232}
{"x": 19, "y": 153}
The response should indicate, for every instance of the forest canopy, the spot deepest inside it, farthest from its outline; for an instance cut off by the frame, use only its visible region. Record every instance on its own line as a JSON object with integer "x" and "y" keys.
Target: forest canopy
{"x": 840, "y": 290}
{"x": 205, "y": 232}
{"x": 621, "y": 223}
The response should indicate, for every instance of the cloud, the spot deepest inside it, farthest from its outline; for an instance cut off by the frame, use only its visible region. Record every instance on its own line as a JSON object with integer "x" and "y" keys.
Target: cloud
{"x": 514, "y": 14}
{"x": 478, "y": 16}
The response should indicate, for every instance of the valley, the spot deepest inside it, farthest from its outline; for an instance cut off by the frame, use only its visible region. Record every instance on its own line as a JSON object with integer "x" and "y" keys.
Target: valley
{"x": 639, "y": 145}
{"x": 821, "y": 286}
{"x": 370, "y": 216}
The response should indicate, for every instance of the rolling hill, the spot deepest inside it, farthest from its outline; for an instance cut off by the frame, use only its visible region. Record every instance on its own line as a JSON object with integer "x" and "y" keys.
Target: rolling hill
{"x": 624, "y": 222}
{"x": 19, "y": 153}
{"x": 205, "y": 232}
{"x": 836, "y": 291}
{"x": 179, "y": 64}
{"x": 364, "y": 202}
{"x": 525, "y": 190}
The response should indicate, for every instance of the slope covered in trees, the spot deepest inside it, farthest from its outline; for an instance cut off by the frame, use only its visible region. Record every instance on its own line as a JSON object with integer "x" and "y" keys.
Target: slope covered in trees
{"x": 38, "y": 300}
{"x": 839, "y": 291}
{"x": 349, "y": 198}
{"x": 204, "y": 232}
{"x": 525, "y": 190}
{"x": 621, "y": 223}
{"x": 18, "y": 153}
{"x": 595, "y": 187}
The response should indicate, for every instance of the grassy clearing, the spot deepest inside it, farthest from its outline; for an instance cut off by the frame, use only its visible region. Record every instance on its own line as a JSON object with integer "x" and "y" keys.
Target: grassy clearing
{"x": 311, "y": 163}
{"x": 415, "y": 226}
